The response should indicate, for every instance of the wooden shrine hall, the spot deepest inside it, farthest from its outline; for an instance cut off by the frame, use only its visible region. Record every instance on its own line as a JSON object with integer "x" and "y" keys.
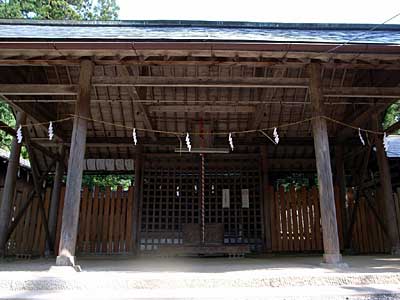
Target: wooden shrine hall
{"x": 240, "y": 138}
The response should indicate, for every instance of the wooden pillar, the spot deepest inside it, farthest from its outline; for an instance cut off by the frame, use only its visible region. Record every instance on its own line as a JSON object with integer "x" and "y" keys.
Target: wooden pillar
{"x": 266, "y": 200}
{"x": 137, "y": 207}
{"x": 70, "y": 218}
{"x": 341, "y": 183}
{"x": 387, "y": 190}
{"x": 9, "y": 185}
{"x": 55, "y": 195}
{"x": 323, "y": 162}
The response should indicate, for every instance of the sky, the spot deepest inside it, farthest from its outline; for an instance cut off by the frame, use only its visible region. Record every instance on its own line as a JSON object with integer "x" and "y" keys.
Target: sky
{"x": 300, "y": 11}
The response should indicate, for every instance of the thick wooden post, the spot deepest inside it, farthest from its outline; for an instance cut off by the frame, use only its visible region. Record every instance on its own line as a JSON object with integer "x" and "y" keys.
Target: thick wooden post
{"x": 70, "y": 218}
{"x": 387, "y": 190}
{"x": 55, "y": 195}
{"x": 266, "y": 200}
{"x": 323, "y": 161}
{"x": 137, "y": 207}
{"x": 9, "y": 185}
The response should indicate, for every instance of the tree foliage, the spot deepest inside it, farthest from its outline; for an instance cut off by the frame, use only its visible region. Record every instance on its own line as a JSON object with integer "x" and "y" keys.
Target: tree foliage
{"x": 392, "y": 115}
{"x": 59, "y": 9}
{"x": 51, "y": 10}
{"x": 7, "y": 117}
{"x": 103, "y": 181}
{"x": 101, "y": 10}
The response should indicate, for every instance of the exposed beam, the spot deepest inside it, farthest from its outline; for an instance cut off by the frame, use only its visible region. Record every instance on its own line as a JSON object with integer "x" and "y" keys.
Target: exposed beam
{"x": 203, "y": 108}
{"x": 38, "y": 89}
{"x": 59, "y": 61}
{"x": 259, "y": 113}
{"x": 7, "y": 129}
{"x": 234, "y": 82}
{"x": 133, "y": 93}
{"x": 11, "y": 131}
{"x": 209, "y": 82}
{"x": 363, "y": 92}
{"x": 288, "y": 101}
{"x": 357, "y": 120}
{"x": 99, "y": 142}
{"x": 32, "y": 115}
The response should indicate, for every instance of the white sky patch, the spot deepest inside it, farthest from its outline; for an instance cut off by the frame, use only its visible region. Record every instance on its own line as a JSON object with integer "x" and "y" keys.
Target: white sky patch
{"x": 313, "y": 11}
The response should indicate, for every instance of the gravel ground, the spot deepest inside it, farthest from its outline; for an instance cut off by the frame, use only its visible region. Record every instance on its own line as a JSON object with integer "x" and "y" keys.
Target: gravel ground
{"x": 205, "y": 278}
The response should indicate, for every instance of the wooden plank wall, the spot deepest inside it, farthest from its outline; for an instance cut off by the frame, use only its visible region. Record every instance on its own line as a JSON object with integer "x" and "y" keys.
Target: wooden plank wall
{"x": 367, "y": 236}
{"x": 28, "y": 238}
{"x": 295, "y": 215}
{"x": 105, "y": 221}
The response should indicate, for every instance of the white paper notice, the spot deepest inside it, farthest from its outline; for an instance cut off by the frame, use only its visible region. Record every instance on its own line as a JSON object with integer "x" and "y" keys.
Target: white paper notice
{"x": 245, "y": 198}
{"x": 225, "y": 198}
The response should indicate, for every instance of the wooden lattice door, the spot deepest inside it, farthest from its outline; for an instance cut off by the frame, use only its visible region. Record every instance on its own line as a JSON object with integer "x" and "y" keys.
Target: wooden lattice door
{"x": 172, "y": 200}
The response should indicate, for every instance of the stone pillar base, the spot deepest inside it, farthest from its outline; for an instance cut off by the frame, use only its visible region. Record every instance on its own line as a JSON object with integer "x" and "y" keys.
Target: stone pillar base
{"x": 68, "y": 261}
{"x": 332, "y": 259}
{"x": 395, "y": 250}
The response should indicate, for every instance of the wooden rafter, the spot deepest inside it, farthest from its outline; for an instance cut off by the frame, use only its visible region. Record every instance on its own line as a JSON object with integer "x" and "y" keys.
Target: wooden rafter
{"x": 33, "y": 116}
{"x": 261, "y": 108}
{"x": 357, "y": 119}
{"x": 133, "y": 93}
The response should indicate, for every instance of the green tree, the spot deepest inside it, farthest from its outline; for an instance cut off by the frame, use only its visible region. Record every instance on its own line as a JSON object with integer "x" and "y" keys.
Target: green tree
{"x": 110, "y": 180}
{"x": 51, "y": 10}
{"x": 392, "y": 115}
{"x": 101, "y": 10}
{"x": 7, "y": 117}
{"x": 59, "y": 9}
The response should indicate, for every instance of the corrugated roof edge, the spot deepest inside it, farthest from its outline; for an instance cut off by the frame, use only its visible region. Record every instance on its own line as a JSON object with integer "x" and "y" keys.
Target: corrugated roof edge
{"x": 213, "y": 24}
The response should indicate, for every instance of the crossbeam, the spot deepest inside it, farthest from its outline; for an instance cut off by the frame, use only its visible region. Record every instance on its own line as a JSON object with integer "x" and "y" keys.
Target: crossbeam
{"x": 233, "y": 82}
{"x": 206, "y": 82}
{"x": 38, "y": 89}
{"x": 203, "y": 108}
{"x": 134, "y": 95}
{"x": 363, "y": 92}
